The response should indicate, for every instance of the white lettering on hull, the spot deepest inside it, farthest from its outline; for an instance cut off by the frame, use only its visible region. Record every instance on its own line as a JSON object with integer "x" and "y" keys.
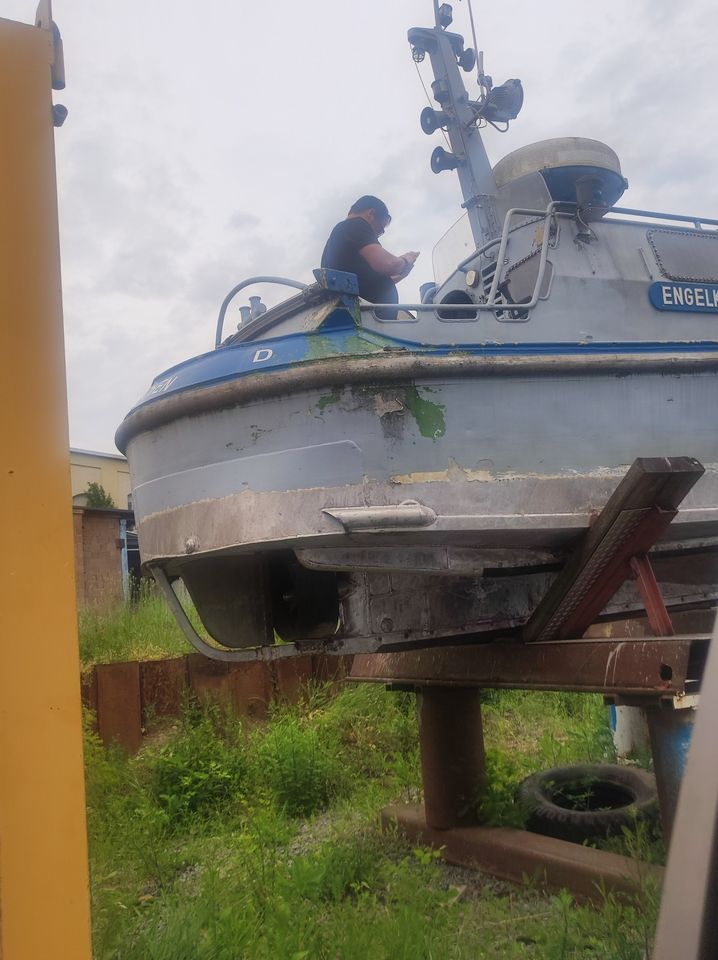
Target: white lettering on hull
{"x": 696, "y": 298}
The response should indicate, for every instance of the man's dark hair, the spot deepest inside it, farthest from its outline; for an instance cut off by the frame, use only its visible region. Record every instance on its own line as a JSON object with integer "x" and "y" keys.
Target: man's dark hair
{"x": 370, "y": 203}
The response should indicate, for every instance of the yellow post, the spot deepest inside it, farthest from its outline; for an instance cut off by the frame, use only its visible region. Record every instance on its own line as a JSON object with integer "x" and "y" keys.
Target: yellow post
{"x": 44, "y": 901}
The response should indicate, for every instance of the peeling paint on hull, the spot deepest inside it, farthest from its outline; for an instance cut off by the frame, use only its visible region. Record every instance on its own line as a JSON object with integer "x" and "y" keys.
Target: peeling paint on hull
{"x": 510, "y": 461}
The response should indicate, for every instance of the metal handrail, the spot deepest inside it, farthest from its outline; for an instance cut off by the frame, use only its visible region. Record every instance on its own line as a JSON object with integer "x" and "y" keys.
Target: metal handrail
{"x": 240, "y": 286}
{"x": 628, "y": 211}
{"x": 491, "y": 303}
{"x": 480, "y": 251}
{"x": 631, "y": 212}
{"x": 551, "y": 210}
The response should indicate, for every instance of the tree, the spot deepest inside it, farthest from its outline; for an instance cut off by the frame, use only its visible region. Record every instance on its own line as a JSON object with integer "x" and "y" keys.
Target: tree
{"x": 98, "y": 497}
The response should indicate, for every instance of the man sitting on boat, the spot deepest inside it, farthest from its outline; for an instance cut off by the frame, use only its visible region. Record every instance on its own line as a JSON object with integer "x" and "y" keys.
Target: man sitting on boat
{"x": 353, "y": 246}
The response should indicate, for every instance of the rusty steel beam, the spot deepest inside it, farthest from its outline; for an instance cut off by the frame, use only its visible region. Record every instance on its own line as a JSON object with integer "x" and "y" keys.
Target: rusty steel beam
{"x": 452, "y": 754}
{"x": 516, "y": 855}
{"x": 640, "y": 667}
{"x": 640, "y": 509}
{"x": 658, "y": 616}
{"x": 119, "y": 713}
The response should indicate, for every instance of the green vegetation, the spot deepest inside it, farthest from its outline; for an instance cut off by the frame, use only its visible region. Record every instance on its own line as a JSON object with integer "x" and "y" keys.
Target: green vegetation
{"x": 528, "y": 731}
{"x": 327, "y": 401}
{"x": 141, "y": 630}
{"x": 228, "y": 840}
{"x": 98, "y": 497}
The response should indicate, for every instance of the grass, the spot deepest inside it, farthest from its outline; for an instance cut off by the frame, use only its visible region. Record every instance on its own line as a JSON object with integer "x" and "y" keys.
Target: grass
{"x": 231, "y": 841}
{"x": 143, "y": 630}
{"x": 529, "y": 731}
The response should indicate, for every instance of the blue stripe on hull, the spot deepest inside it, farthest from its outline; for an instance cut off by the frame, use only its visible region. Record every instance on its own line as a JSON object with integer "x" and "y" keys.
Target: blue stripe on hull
{"x": 282, "y": 353}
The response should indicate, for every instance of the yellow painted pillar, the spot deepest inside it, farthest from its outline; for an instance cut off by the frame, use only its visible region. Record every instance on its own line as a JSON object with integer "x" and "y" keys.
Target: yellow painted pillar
{"x": 44, "y": 902}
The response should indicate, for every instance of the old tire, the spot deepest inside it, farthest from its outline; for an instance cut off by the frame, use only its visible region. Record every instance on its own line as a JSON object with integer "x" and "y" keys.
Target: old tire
{"x": 588, "y": 801}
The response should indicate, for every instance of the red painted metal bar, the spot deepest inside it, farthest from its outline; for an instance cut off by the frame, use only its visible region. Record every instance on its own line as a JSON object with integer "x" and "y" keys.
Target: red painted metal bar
{"x": 658, "y": 616}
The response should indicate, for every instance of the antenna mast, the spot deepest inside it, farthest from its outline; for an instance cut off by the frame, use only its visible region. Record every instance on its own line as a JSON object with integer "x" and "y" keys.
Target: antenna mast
{"x": 458, "y": 115}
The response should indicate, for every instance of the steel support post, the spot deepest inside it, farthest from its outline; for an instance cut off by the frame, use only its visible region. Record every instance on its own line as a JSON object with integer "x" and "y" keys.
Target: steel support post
{"x": 44, "y": 899}
{"x": 452, "y": 754}
{"x": 670, "y": 732}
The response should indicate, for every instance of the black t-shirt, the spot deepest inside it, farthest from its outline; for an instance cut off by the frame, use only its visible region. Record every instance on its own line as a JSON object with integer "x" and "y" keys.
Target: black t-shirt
{"x": 342, "y": 253}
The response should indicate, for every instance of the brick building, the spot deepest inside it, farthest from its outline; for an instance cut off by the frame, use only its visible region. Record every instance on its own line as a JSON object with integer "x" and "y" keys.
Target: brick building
{"x": 102, "y": 565}
{"x": 105, "y": 542}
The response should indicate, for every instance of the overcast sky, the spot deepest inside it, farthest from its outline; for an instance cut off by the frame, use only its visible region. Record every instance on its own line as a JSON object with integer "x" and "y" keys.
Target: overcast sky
{"x": 207, "y": 142}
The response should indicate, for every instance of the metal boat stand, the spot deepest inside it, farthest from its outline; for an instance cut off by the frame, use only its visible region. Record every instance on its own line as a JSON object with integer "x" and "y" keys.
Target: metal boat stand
{"x": 558, "y": 651}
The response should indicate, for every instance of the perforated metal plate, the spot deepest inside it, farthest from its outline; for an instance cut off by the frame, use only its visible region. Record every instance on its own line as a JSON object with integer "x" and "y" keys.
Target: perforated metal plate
{"x": 686, "y": 254}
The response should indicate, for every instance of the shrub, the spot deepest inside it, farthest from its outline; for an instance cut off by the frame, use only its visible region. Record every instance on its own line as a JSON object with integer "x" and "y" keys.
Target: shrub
{"x": 302, "y": 771}
{"x": 202, "y": 769}
{"x": 377, "y": 730}
{"x": 498, "y": 805}
{"x": 98, "y": 497}
{"x": 340, "y": 868}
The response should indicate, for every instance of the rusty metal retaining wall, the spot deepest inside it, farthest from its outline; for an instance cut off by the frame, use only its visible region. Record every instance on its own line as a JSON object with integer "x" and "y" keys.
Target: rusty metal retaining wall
{"x": 128, "y": 698}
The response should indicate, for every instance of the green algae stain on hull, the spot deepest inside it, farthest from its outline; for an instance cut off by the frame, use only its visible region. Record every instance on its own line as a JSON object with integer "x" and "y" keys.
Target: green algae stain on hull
{"x": 350, "y": 343}
{"x": 327, "y": 400}
{"x": 392, "y": 402}
{"x": 319, "y": 348}
{"x": 429, "y": 416}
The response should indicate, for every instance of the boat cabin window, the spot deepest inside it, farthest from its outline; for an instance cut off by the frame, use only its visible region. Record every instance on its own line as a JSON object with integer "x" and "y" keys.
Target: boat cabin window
{"x": 690, "y": 255}
{"x": 456, "y": 245}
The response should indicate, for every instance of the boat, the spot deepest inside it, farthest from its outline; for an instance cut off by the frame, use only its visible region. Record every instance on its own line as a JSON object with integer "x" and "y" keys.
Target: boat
{"x": 343, "y": 476}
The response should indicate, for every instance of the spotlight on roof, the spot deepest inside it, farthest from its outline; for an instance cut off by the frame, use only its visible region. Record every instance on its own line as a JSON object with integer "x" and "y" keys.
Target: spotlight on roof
{"x": 446, "y": 15}
{"x": 503, "y": 102}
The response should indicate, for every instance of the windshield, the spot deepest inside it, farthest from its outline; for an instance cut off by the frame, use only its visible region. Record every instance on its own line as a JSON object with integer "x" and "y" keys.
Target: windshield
{"x": 455, "y": 246}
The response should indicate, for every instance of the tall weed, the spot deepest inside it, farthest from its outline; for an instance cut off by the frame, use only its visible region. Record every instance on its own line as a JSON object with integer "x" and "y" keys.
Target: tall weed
{"x": 202, "y": 770}
{"x": 528, "y": 731}
{"x": 138, "y": 630}
{"x": 301, "y": 769}
{"x": 199, "y": 852}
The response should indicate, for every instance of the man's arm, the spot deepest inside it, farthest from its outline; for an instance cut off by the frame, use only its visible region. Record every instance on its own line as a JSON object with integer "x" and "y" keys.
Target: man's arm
{"x": 386, "y": 263}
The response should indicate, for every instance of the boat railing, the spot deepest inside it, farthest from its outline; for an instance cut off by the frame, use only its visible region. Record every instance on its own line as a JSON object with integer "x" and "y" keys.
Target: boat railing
{"x": 555, "y": 210}
{"x": 698, "y": 222}
{"x": 494, "y": 300}
{"x": 491, "y": 302}
{"x": 283, "y": 281}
